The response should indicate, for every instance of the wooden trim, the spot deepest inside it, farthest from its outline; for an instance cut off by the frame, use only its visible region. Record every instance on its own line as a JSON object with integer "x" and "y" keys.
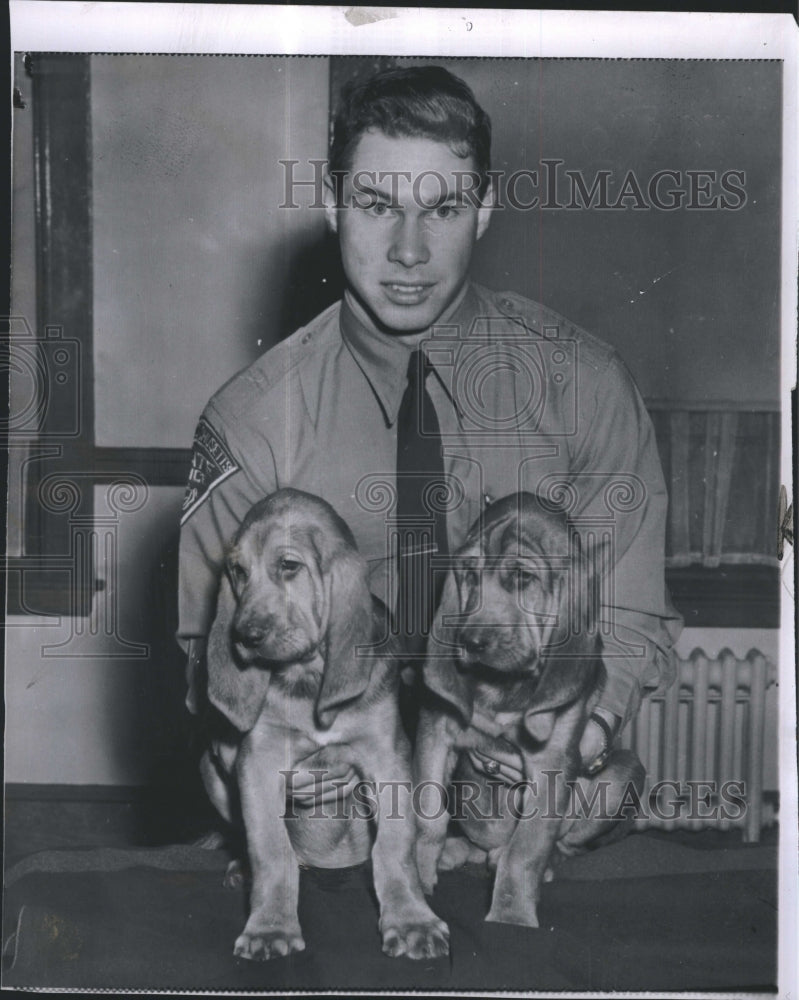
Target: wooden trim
{"x": 679, "y": 494}
{"x": 158, "y": 466}
{"x": 63, "y": 213}
{"x": 54, "y": 585}
{"x": 41, "y": 585}
{"x": 728, "y": 426}
{"x": 726, "y": 596}
{"x": 23, "y": 791}
{"x": 713, "y": 405}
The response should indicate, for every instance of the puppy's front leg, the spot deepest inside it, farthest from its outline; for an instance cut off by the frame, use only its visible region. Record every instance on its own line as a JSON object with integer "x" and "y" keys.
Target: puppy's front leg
{"x": 408, "y": 925}
{"x": 541, "y": 806}
{"x": 273, "y": 928}
{"x": 434, "y": 760}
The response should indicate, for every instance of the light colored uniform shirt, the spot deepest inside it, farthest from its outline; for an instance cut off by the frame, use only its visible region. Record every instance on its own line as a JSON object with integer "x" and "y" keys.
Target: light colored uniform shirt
{"x": 525, "y": 401}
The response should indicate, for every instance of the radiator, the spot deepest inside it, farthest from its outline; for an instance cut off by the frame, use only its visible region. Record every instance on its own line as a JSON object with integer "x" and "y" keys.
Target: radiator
{"x": 701, "y": 743}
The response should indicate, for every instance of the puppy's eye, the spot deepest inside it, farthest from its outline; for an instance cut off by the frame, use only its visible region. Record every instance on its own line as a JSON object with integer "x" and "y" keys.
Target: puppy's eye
{"x": 525, "y": 576}
{"x": 288, "y": 567}
{"x": 238, "y": 574}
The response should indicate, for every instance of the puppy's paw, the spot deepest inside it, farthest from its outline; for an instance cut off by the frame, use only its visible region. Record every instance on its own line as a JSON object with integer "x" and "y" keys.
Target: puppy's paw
{"x": 259, "y": 946}
{"x": 213, "y": 840}
{"x": 422, "y": 939}
{"x": 237, "y": 875}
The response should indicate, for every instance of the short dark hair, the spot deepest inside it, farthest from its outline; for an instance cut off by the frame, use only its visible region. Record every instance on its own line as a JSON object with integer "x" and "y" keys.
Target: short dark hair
{"x": 425, "y": 102}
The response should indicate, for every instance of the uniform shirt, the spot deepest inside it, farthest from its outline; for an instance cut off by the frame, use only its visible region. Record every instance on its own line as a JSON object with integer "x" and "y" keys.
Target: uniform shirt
{"x": 525, "y": 401}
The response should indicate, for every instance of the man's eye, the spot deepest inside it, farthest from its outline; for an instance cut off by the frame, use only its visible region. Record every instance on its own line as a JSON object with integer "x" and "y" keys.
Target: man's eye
{"x": 377, "y": 207}
{"x": 446, "y": 212}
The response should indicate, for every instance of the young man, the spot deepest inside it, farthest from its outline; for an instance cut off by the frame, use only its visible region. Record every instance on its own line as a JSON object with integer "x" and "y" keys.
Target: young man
{"x": 519, "y": 398}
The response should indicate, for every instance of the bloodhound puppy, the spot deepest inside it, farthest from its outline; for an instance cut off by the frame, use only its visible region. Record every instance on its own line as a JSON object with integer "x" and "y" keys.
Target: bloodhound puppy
{"x": 285, "y": 669}
{"x": 513, "y": 672}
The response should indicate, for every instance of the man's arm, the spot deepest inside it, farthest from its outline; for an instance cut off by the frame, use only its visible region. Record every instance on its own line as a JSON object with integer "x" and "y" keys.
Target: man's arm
{"x": 618, "y": 473}
{"x": 229, "y": 473}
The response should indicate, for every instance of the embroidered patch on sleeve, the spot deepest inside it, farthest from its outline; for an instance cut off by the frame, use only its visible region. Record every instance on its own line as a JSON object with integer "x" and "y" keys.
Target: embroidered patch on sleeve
{"x": 211, "y": 464}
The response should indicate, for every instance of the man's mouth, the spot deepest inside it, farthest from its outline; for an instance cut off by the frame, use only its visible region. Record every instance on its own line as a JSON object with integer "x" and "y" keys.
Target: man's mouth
{"x": 406, "y": 292}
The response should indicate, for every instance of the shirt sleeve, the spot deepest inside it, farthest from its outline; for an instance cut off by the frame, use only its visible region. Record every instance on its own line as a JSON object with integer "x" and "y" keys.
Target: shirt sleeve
{"x": 619, "y": 482}
{"x": 228, "y": 474}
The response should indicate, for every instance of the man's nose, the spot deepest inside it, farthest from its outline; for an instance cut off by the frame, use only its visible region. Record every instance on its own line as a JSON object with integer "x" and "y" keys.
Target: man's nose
{"x": 409, "y": 246}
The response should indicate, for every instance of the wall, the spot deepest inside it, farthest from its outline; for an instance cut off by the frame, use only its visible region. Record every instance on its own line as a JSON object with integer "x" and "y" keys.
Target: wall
{"x": 192, "y": 256}
{"x": 97, "y": 701}
{"x": 689, "y": 297}
{"x": 192, "y": 262}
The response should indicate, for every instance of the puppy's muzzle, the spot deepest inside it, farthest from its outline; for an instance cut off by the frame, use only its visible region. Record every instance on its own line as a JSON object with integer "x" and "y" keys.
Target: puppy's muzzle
{"x": 250, "y": 635}
{"x": 474, "y": 641}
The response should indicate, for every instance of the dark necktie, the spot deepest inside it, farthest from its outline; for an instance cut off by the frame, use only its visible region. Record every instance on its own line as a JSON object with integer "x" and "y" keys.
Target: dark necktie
{"x": 421, "y": 526}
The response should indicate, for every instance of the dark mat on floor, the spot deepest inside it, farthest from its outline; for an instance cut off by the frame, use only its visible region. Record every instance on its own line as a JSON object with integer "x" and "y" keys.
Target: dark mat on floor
{"x": 644, "y": 914}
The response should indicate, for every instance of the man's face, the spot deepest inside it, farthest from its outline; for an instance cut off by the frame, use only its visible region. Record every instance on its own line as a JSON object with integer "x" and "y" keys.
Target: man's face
{"x": 407, "y": 225}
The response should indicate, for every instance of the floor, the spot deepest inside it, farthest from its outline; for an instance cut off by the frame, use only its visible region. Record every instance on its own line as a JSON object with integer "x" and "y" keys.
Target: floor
{"x": 167, "y": 817}
{"x": 164, "y": 928}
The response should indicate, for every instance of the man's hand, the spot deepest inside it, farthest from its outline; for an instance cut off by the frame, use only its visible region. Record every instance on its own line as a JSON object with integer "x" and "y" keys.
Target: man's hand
{"x": 593, "y": 745}
{"x": 499, "y": 765}
{"x": 308, "y": 790}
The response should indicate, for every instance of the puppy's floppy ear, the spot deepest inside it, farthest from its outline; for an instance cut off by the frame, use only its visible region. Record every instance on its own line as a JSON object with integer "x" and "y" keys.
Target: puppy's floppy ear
{"x": 562, "y": 681}
{"x": 238, "y": 692}
{"x": 572, "y": 661}
{"x": 439, "y": 671}
{"x": 349, "y": 624}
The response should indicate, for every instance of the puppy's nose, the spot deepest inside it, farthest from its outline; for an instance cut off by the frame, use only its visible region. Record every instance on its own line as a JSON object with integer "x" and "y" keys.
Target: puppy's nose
{"x": 473, "y": 641}
{"x": 250, "y": 635}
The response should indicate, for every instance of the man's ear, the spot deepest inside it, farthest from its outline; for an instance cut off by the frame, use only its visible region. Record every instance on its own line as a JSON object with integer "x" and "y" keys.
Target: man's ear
{"x": 485, "y": 210}
{"x": 331, "y": 205}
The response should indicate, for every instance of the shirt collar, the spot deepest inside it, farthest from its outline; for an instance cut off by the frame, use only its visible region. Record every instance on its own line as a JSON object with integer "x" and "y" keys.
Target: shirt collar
{"x": 383, "y": 359}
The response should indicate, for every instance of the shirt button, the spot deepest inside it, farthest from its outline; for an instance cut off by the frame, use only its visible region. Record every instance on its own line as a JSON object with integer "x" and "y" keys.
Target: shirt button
{"x": 506, "y": 304}
{"x": 488, "y": 499}
{"x": 306, "y": 338}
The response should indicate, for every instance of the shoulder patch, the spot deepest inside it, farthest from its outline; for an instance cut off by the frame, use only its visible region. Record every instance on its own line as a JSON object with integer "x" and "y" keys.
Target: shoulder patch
{"x": 211, "y": 464}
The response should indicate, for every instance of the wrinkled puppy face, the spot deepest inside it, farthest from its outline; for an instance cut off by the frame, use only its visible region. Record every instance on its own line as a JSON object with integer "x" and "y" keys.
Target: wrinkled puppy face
{"x": 274, "y": 571}
{"x": 511, "y": 581}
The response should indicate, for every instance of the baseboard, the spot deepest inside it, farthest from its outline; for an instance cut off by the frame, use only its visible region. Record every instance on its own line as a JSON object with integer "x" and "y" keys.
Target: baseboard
{"x": 23, "y": 791}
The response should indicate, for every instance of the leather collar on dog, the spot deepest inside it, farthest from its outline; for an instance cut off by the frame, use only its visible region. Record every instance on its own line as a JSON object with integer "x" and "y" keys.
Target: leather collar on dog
{"x": 601, "y": 759}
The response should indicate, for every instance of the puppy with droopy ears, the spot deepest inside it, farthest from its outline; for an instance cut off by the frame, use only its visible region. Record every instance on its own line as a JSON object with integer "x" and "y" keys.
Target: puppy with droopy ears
{"x": 513, "y": 670}
{"x": 289, "y": 667}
